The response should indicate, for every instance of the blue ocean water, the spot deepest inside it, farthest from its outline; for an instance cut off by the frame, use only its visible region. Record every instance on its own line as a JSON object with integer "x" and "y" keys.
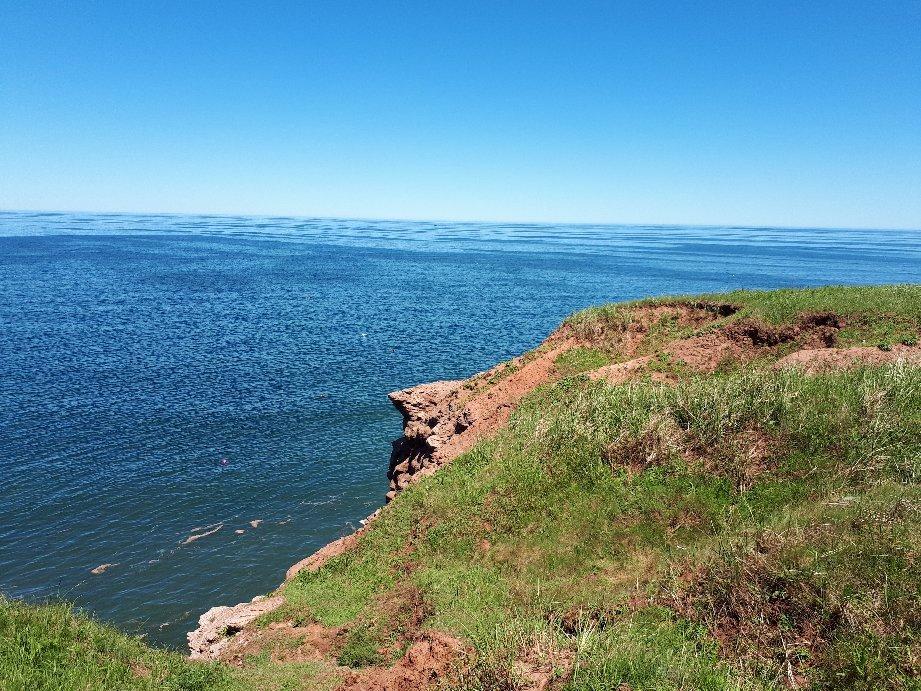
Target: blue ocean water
{"x": 137, "y": 352}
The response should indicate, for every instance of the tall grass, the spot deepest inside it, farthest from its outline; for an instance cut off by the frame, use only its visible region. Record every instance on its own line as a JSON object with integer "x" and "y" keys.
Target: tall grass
{"x": 597, "y": 496}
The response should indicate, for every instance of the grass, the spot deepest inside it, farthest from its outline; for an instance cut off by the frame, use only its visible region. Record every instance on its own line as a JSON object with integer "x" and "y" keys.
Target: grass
{"x": 361, "y": 648}
{"x": 596, "y": 496}
{"x": 874, "y": 315}
{"x": 832, "y": 588}
{"x": 747, "y": 529}
{"x": 580, "y": 359}
{"x": 52, "y": 647}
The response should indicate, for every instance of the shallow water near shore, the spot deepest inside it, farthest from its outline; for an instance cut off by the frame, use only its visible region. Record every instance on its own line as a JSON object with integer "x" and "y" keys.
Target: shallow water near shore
{"x": 163, "y": 377}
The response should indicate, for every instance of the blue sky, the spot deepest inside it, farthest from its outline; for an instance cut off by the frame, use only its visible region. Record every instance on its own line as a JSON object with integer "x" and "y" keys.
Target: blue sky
{"x": 761, "y": 113}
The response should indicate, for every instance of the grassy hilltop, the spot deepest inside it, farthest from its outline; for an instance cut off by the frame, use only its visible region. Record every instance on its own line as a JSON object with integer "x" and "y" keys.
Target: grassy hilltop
{"x": 670, "y": 509}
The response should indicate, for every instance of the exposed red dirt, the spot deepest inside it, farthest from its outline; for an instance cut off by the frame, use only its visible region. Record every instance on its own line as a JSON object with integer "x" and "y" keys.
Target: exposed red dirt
{"x": 287, "y": 643}
{"x": 738, "y": 342}
{"x": 627, "y": 338}
{"x": 705, "y": 353}
{"x": 540, "y": 670}
{"x": 620, "y": 372}
{"x": 444, "y": 419}
{"x": 825, "y": 359}
{"x": 431, "y": 658}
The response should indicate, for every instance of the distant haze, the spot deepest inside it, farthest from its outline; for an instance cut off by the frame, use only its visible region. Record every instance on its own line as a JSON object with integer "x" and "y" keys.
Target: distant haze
{"x": 755, "y": 113}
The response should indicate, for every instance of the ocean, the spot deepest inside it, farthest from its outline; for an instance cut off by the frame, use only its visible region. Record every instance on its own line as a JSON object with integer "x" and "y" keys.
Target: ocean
{"x": 162, "y": 376}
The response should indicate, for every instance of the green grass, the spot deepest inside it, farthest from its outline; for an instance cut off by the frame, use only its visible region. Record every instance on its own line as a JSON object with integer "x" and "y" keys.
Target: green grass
{"x": 650, "y": 650}
{"x": 729, "y": 531}
{"x": 580, "y": 359}
{"x": 597, "y": 496}
{"x": 361, "y": 648}
{"x": 52, "y": 647}
{"x": 874, "y": 315}
{"x": 832, "y": 585}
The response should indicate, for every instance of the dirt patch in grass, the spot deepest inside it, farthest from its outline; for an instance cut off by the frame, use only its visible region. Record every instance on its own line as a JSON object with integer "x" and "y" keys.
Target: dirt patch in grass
{"x": 742, "y": 457}
{"x": 656, "y": 445}
{"x": 432, "y": 658}
{"x": 740, "y": 341}
{"x": 822, "y": 360}
{"x": 393, "y": 623}
{"x": 620, "y": 372}
{"x": 485, "y": 676}
{"x": 535, "y": 667}
{"x": 627, "y": 330}
{"x": 811, "y": 320}
{"x": 706, "y": 352}
{"x": 283, "y": 642}
{"x": 540, "y": 669}
{"x": 577, "y": 619}
{"x": 405, "y": 610}
{"x": 747, "y": 339}
{"x": 140, "y": 670}
{"x": 736, "y": 342}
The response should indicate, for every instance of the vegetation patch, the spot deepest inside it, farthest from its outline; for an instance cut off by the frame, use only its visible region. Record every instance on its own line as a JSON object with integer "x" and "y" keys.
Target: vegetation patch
{"x": 828, "y": 596}
{"x": 580, "y": 359}
{"x": 53, "y": 647}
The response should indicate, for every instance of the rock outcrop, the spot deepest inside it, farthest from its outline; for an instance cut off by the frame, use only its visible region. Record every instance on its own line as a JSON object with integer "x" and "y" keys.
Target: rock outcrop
{"x": 217, "y": 626}
{"x": 444, "y": 419}
{"x": 432, "y": 416}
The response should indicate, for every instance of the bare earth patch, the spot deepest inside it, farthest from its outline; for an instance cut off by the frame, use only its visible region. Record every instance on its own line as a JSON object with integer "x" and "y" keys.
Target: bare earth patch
{"x": 822, "y": 360}
{"x": 432, "y": 657}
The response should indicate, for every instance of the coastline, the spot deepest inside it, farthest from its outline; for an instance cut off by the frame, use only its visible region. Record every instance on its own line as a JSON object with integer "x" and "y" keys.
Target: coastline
{"x": 441, "y": 420}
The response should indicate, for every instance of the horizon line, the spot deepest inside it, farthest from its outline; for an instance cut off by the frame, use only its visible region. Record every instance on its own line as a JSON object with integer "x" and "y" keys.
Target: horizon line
{"x": 371, "y": 219}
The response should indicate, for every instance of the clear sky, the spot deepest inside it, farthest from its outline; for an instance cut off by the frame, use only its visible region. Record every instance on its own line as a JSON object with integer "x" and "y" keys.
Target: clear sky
{"x": 762, "y": 113}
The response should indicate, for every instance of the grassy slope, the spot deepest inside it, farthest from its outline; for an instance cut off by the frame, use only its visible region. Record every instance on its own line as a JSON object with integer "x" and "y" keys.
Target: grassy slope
{"x": 52, "y": 647}
{"x": 737, "y": 530}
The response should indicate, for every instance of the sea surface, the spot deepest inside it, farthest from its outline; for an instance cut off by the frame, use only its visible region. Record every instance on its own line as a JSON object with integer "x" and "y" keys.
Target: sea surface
{"x": 162, "y": 376}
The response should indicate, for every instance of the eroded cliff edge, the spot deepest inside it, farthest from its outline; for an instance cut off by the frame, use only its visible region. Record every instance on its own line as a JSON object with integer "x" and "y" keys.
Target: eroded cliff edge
{"x": 444, "y": 419}
{"x": 441, "y": 420}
